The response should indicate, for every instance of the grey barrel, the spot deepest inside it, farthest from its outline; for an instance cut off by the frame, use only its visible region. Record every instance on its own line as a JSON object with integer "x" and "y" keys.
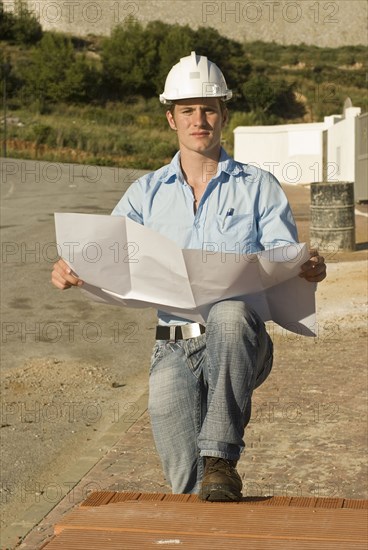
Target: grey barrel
{"x": 332, "y": 224}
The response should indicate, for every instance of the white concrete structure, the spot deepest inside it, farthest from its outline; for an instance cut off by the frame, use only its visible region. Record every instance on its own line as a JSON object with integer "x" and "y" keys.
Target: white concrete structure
{"x": 302, "y": 153}
{"x": 341, "y": 147}
{"x": 361, "y": 158}
{"x": 292, "y": 152}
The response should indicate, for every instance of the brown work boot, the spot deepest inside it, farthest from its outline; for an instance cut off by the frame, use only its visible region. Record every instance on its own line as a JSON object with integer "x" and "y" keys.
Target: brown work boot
{"x": 221, "y": 482}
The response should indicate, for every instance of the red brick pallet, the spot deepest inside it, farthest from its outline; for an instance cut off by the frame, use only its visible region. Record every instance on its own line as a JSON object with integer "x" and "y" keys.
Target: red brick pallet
{"x": 108, "y": 520}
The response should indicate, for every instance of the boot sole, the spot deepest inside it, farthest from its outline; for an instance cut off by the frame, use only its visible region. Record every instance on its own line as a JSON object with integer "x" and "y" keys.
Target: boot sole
{"x": 219, "y": 493}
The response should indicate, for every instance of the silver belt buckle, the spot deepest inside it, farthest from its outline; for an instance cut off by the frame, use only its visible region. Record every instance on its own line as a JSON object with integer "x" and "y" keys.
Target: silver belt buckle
{"x": 191, "y": 331}
{"x": 172, "y": 333}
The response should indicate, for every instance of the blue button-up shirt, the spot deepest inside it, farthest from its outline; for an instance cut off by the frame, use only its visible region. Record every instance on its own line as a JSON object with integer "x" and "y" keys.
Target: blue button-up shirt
{"x": 242, "y": 210}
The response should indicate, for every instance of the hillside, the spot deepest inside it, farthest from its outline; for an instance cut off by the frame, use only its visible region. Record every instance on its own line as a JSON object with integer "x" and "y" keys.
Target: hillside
{"x": 95, "y": 100}
{"x": 282, "y": 21}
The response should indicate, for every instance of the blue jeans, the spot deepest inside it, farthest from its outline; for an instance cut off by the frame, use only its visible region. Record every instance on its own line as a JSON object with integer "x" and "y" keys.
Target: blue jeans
{"x": 200, "y": 391}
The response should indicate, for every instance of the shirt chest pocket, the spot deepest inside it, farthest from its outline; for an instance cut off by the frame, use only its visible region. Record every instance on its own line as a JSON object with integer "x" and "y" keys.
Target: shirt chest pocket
{"x": 236, "y": 230}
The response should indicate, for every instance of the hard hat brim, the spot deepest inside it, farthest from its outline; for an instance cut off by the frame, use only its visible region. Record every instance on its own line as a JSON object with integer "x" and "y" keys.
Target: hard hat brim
{"x": 169, "y": 100}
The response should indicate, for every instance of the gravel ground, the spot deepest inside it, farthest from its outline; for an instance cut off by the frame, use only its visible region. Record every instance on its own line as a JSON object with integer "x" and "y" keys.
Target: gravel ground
{"x": 60, "y": 394}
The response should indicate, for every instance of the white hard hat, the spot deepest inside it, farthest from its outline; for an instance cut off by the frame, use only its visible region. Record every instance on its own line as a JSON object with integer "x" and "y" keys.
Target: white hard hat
{"x": 195, "y": 76}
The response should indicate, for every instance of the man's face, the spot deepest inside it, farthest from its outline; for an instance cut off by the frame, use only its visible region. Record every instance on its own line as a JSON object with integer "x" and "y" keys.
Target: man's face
{"x": 198, "y": 123}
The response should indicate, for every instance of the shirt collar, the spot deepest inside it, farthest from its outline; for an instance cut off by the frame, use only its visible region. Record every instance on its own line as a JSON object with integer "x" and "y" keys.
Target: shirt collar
{"x": 226, "y": 164}
{"x": 173, "y": 170}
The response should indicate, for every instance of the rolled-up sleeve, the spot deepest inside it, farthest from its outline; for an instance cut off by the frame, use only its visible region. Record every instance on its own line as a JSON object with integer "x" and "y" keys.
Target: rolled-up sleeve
{"x": 276, "y": 225}
{"x": 131, "y": 204}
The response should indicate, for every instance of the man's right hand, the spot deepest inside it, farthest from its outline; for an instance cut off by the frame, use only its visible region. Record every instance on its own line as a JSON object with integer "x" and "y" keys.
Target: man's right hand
{"x": 62, "y": 276}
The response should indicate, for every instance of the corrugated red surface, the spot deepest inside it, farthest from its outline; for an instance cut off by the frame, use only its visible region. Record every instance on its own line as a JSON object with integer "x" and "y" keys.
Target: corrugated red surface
{"x": 104, "y": 497}
{"x": 96, "y": 540}
{"x": 110, "y": 521}
{"x": 352, "y": 503}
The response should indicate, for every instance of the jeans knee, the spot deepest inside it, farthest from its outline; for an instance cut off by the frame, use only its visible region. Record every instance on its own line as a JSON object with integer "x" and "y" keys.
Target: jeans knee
{"x": 226, "y": 309}
{"x": 230, "y": 320}
{"x": 226, "y": 321}
{"x": 231, "y": 311}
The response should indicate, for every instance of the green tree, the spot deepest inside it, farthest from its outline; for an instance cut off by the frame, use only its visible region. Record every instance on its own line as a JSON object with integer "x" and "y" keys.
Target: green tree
{"x": 126, "y": 59}
{"x": 7, "y": 71}
{"x": 6, "y": 24}
{"x": 21, "y": 27}
{"x": 54, "y": 73}
{"x": 286, "y": 104}
{"x": 271, "y": 97}
{"x": 136, "y": 60}
{"x": 154, "y": 35}
{"x": 259, "y": 93}
{"x": 26, "y": 27}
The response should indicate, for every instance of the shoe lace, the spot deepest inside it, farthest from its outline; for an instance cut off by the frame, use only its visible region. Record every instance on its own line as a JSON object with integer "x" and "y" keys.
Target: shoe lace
{"x": 214, "y": 464}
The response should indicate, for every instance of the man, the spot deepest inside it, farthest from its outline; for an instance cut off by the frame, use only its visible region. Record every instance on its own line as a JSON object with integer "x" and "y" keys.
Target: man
{"x": 202, "y": 378}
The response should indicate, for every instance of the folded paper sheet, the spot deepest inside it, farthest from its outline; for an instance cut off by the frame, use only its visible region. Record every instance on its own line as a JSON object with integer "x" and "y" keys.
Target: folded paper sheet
{"x": 128, "y": 264}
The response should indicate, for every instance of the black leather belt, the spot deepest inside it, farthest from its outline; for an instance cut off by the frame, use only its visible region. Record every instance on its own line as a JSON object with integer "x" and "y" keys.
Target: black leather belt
{"x": 179, "y": 332}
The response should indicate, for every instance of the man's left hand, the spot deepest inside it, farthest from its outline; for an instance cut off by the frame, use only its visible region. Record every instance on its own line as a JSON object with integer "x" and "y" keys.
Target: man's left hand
{"x": 314, "y": 270}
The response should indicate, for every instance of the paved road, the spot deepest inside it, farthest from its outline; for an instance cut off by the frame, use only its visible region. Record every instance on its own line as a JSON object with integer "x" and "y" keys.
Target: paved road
{"x": 37, "y": 319}
{"x": 40, "y": 321}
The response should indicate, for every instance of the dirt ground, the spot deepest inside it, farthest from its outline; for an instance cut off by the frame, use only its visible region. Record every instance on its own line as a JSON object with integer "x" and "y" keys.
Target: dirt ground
{"x": 59, "y": 397}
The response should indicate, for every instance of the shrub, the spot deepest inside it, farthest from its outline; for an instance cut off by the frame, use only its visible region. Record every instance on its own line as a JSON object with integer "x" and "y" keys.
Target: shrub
{"x": 126, "y": 60}
{"x": 21, "y": 27}
{"x": 272, "y": 97}
{"x": 44, "y": 134}
{"x": 55, "y": 74}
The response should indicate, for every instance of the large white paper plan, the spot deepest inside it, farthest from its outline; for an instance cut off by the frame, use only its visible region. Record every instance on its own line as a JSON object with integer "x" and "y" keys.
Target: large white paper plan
{"x": 127, "y": 264}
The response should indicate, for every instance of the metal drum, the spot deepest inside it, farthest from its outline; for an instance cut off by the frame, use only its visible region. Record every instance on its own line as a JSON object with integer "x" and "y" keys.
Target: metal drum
{"x": 332, "y": 216}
